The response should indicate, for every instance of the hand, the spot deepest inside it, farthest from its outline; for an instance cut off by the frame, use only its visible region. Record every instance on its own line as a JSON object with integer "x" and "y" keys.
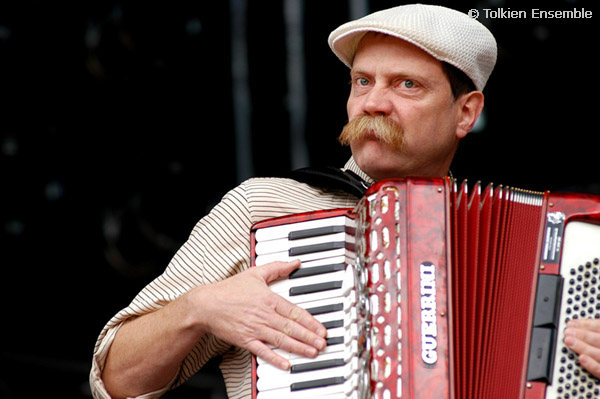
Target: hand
{"x": 583, "y": 337}
{"x": 244, "y": 312}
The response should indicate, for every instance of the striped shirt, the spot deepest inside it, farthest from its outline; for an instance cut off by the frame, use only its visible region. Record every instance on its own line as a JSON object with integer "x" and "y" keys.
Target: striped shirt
{"x": 219, "y": 247}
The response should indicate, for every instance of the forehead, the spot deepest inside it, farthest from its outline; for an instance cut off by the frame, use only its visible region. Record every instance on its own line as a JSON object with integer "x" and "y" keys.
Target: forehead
{"x": 377, "y": 49}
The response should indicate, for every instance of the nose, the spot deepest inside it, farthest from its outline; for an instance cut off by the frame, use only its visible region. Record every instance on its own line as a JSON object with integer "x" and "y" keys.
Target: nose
{"x": 377, "y": 101}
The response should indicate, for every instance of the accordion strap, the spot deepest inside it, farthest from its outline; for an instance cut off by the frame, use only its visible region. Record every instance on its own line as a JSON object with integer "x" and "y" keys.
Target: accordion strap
{"x": 330, "y": 177}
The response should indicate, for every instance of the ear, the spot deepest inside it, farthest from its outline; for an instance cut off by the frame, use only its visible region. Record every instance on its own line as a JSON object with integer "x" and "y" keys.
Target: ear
{"x": 469, "y": 106}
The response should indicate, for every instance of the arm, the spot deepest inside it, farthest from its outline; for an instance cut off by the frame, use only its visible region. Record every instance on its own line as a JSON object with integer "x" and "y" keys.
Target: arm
{"x": 241, "y": 310}
{"x": 217, "y": 250}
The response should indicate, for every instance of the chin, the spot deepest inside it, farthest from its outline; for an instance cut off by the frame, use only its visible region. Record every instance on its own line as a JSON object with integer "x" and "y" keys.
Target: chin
{"x": 379, "y": 163}
{"x": 380, "y": 170}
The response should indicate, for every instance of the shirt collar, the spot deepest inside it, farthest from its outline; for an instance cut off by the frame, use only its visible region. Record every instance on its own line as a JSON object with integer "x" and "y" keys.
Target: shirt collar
{"x": 351, "y": 165}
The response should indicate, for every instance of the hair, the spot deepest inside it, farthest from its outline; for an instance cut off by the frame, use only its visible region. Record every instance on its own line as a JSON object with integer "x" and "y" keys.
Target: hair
{"x": 460, "y": 83}
{"x": 381, "y": 126}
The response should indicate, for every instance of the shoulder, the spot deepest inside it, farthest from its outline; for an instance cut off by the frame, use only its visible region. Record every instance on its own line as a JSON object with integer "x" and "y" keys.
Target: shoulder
{"x": 274, "y": 196}
{"x": 262, "y": 198}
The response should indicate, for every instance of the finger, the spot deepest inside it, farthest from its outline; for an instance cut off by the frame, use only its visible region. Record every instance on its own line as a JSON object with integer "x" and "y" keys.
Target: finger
{"x": 300, "y": 336}
{"x": 581, "y": 347}
{"x": 590, "y": 337}
{"x": 294, "y": 314}
{"x": 272, "y": 271}
{"x": 590, "y": 365}
{"x": 288, "y": 343}
{"x": 586, "y": 324}
{"x": 261, "y": 350}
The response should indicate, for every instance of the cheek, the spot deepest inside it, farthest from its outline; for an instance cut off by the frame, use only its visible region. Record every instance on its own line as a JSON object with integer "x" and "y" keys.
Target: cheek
{"x": 352, "y": 108}
{"x": 430, "y": 126}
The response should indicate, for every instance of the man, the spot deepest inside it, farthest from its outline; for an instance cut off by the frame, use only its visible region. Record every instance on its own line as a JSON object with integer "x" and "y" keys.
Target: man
{"x": 417, "y": 75}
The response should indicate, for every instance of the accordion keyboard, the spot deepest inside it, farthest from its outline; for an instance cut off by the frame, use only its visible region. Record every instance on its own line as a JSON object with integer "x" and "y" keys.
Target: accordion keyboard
{"x": 324, "y": 285}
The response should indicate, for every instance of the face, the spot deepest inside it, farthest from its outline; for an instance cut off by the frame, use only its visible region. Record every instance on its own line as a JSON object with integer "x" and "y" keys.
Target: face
{"x": 396, "y": 80}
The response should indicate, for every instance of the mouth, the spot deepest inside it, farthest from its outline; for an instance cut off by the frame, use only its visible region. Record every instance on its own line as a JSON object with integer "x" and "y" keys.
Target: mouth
{"x": 370, "y": 135}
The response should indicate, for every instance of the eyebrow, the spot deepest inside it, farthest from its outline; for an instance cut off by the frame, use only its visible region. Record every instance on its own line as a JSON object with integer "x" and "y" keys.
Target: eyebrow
{"x": 354, "y": 71}
{"x": 422, "y": 79}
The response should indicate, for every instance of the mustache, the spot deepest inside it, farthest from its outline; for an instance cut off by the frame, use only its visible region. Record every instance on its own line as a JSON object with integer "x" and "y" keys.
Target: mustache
{"x": 384, "y": 129}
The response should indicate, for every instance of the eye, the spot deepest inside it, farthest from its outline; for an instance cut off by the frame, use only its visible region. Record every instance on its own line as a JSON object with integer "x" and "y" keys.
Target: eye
{"x": 362, "y": 81}
{"x": 409, "y": 84}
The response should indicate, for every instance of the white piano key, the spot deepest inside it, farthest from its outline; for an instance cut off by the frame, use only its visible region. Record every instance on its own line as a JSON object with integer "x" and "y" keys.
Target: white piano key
{"x": 347, "y": 390}
{"x": 267, "y": 370}
{"x": 346, "y": 286}
{"x": 327, "y": 261}
{"x": 340, "y": 395}
{"x": 325, "y": 266}
{"x": 346, "y": 316}
{"x": 321, "y": 262}
{"x": 283, "y": 286}
{"x": 284, "y": 256}
{"x": 286, "y": 380}
{"x": 347, "y": 301}
{"x": 283, "y": 244}
{"x": 338, "y": 332}
{"x": 350, "y": 337}
{"x": 274, "y": 232}
{"x": 318, "y": 264}
{"x": 350, "y": 345}
{"x": 275, "y": 374}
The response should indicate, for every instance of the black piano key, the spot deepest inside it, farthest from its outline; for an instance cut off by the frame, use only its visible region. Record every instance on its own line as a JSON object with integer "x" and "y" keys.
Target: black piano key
{"x": 316, "y": 270}
{"x": 324, "y": 382}
{"x": 319, "y": 365}
{"x": 319, "y": 231}
{"x": 312, "y": 288}
{"x": 335, "y": 307}
{"x": 309, "y": 249}
{"x": 334, "y": 341}
{"x": 333, "y": 324}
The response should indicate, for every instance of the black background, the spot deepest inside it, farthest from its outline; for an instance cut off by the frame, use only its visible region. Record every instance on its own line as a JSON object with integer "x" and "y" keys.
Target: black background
{"x": 117, "y": 136}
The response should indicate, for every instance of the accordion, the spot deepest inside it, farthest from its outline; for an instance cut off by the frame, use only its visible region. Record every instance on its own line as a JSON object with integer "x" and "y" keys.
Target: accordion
{"x": 431, "y": 290}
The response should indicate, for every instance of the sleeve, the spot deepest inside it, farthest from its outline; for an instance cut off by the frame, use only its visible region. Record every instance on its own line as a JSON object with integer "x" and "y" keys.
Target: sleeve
{"x": 217, "y": 248}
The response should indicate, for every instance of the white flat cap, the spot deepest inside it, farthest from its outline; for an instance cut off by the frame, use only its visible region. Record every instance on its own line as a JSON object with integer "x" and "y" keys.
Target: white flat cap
{"x": 448, "y": 35}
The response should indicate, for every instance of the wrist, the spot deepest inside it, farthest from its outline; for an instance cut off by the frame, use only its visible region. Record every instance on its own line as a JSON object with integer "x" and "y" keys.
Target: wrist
{"x": 195, "y": 315}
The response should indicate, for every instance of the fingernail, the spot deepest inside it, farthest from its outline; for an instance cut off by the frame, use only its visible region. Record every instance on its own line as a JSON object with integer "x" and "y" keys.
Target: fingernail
{"x": 569, "y": 332}
{"x": 311, "y": 352}
{"x": 318, "y": 343}
{"x": 573, "y": 323}
{"x": 569, "y": 341}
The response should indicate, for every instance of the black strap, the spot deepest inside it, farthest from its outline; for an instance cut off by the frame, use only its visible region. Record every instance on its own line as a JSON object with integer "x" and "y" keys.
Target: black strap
{"x": 331, "y": 178}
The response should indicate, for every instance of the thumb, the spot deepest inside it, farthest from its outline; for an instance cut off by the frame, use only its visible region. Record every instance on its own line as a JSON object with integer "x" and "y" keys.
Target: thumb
{"x": 272, "y": 271}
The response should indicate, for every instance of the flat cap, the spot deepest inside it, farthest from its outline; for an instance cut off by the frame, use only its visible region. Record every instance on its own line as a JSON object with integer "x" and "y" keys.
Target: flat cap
{"x": 446, "y": 34}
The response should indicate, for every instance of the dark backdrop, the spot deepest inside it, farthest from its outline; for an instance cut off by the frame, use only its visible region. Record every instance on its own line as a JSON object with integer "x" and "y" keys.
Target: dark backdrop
{"x": 118, "y": 131}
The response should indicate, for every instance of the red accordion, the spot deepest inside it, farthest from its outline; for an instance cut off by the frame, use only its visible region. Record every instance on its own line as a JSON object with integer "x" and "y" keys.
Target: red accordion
{"x": 429, "y": 291}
